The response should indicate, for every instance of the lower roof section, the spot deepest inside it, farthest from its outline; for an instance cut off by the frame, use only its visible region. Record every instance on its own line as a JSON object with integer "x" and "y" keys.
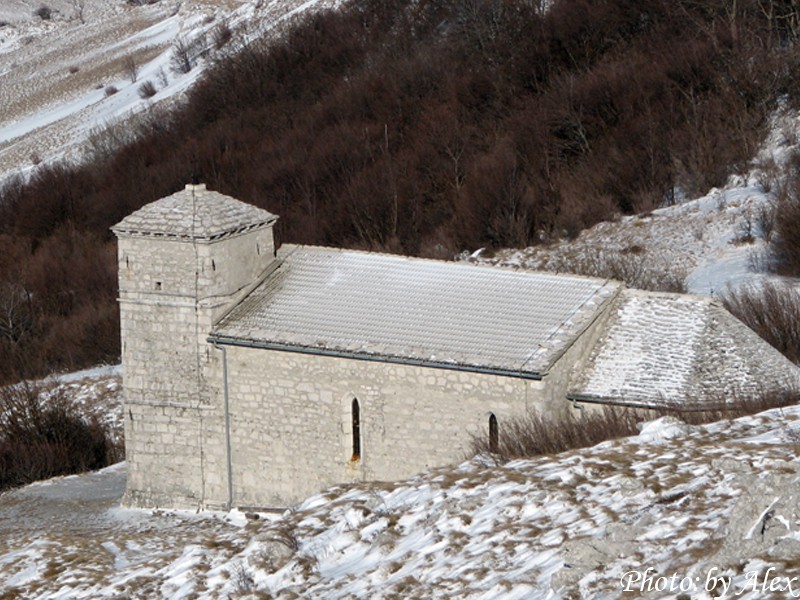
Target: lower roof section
{"x": 661, "y": 349}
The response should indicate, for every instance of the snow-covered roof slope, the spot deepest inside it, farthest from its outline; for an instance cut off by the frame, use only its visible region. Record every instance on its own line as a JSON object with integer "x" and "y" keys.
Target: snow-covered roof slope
{"x": 661, "y": 348}
{"x": 421, "y": 311}
{"x": 193, "y": 213}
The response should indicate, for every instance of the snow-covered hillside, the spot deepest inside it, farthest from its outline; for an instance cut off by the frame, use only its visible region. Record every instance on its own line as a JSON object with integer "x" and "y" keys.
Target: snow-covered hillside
{"x": 710, "y": 243}
{"x": 64, "y": 79}
{"x": 675, "y": 510}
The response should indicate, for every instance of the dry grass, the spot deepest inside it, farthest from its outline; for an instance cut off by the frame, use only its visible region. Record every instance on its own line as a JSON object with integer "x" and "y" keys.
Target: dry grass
{"x": 632, "y": 265}
{"x": 536, "y": 434}
{"x": 772, "y": 311}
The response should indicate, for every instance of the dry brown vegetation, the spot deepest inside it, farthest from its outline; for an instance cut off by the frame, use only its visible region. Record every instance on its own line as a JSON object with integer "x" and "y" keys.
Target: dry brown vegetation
{"x": 415, "y": 127}
{"x": 536, "y": 434}
{"x": 772, "y": 311}
{"x": 785, "y": 243}
{"x": 44, "y": 434}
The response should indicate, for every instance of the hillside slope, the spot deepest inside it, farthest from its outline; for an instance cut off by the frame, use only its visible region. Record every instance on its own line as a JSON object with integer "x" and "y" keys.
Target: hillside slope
{"x": 57, "y": 75}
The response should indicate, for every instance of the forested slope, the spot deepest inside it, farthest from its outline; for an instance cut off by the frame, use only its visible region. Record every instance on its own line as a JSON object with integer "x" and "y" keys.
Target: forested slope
{"x": 416, "y": 127}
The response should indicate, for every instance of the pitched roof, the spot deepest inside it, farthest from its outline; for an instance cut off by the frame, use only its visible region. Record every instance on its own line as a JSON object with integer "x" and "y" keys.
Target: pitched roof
{"x": 660, "y": 348}
{"x": 326, "y": 300}
{"x": 194, "y": 213}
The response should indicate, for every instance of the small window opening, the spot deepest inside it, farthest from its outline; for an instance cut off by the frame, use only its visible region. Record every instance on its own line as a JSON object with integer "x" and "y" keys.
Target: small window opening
{"x": 493, "y": 433}
{"x": 158, "y": 285}
{"x": 213, "y": 265}
{"x": 356, "y": 419}
{"x": 258, "y": 249}
{"x": 127, "y": 262}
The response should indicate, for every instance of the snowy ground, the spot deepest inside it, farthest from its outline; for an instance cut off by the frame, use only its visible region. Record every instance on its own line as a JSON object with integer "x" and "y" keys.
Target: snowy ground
{"x": 698, "y": 507}
{"x": 58, "y": 76}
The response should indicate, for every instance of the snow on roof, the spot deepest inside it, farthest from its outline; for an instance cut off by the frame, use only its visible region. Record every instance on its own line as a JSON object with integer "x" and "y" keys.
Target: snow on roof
{"x": 194, "y": 213}
{"x": 660, "y": 348}
{"x": 413, "y": 310}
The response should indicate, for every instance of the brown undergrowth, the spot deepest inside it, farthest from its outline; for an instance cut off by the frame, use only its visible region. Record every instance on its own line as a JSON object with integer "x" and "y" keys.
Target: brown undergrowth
{"x": 536, "y": 434}
{"x": 44, "y": 434}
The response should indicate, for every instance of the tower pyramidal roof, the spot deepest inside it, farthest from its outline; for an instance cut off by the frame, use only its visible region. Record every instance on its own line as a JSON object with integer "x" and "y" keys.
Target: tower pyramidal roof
{"x": 194, "y": 213}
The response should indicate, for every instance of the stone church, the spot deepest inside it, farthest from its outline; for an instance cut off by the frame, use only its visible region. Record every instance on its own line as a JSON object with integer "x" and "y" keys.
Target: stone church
{"x": 255, "y": 375}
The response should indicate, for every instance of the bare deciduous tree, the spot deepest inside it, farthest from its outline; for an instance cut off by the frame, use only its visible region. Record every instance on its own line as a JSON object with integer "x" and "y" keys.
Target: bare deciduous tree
{"x": 182, "y": 59}
{"x": 16, "y": 314}
{"x": 131, "y": 69}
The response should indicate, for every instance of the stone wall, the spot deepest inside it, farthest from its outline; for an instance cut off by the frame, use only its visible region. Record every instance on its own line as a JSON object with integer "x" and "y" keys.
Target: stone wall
{"x": 291, "y": 419}
{"x": 171, "y": 292}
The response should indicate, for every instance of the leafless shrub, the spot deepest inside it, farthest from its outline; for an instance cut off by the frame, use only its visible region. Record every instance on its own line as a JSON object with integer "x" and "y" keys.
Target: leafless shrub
{"x": 147, "y": 90}
{"x": 44, "y": 12}
{"x": 242, "y": 579}
{"x": 733, "y": 405}
{"x": 765, "y": 220}
{"x": 102, "y": 142}
{"x": 181, "y": 60}
{"x": 163, "y": 80}
{"x": 287, "y": 536}
{"x": 635, "y": 267}
{"x": 42, "y": 434}
{"x": 769, "y": 175}
{"x": 759, "y": 260}
{"x": 110, "y": 90}
{"x": 131, "y": 69}
{"x": 16, "y": 312}
{"x": 785, "y": 238}
{"x": 185, "y": 53}
{"x": 772, "y": 311}
{"x": 535, "y": 434}
{"x": 221, "y": 35}
{"x": 744, "y": 235}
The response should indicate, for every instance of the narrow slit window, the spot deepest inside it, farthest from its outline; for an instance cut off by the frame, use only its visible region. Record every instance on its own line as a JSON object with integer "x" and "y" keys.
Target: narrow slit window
{"x": 493, "y": 433}
{"x": 356, "y": 426}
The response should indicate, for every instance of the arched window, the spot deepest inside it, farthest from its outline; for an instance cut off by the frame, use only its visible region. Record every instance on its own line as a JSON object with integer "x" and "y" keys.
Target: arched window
{"x": 355, "y": 414}
{"x": 493, "y": 433}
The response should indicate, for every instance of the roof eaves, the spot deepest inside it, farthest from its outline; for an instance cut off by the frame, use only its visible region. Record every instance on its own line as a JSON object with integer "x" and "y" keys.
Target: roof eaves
{"x": 660, "y": 404}
{"x": 212, "y": 237}
{"x": 382, "y": 358}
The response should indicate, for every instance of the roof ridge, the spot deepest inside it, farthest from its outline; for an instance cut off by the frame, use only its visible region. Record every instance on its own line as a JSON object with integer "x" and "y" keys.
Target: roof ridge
{"x": 460, "y": 263}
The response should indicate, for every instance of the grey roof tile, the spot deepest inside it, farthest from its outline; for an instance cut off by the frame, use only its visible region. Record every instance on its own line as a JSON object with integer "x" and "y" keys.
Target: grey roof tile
{"x": 660, "y": 349}
{"x": 193, "y": 213}
{"x": 419, "y": 310}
